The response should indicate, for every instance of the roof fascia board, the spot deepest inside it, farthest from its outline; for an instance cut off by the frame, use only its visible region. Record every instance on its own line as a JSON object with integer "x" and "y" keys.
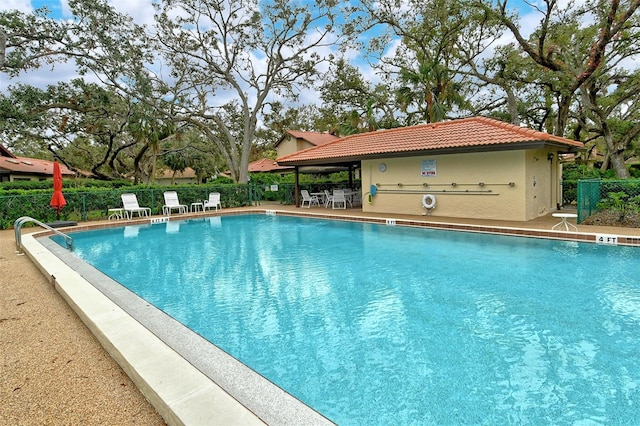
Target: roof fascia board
{"x": 458, "y": 150}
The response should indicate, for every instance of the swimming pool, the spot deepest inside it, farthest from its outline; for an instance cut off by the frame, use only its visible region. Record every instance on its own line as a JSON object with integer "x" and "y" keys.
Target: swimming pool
{"x": 371, "y": 324}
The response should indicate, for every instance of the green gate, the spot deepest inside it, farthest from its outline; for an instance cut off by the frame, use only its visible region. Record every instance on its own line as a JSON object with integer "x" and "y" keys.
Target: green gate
{"x": 588, "y": 198}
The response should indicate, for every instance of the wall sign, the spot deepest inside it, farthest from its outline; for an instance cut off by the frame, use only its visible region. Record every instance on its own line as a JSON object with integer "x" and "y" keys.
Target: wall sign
{"x": 428, "y": 168}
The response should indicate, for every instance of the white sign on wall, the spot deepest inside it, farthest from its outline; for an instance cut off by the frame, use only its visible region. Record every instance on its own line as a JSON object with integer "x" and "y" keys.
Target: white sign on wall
{"x": 428, "y": 168}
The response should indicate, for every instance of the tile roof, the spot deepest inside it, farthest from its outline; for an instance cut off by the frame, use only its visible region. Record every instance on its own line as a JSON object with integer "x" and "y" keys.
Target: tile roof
{"x": 26, "y": 165}
{"x": 314, "y": 138}
{"x": 461, "y": 135}
{"x": 265, "y": 165}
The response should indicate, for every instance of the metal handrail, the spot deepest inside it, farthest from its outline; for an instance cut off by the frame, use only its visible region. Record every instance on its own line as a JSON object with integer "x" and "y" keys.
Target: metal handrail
{"x": 17, "y": 226}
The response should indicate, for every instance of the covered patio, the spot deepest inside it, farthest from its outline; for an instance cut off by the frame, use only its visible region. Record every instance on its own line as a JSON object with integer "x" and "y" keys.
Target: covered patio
{"x": 469, "y": 168}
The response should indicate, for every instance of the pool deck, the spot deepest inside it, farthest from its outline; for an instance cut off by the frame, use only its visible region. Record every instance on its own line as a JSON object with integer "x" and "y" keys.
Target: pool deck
{"x": 54, "y": 368}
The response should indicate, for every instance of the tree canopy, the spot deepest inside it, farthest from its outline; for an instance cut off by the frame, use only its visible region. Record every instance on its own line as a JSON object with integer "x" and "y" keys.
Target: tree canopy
{"x": 213, "y": 84}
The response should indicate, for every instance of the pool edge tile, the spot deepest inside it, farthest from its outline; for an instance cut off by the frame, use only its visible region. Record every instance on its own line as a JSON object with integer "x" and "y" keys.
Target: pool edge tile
{"x": 204, "y": 400}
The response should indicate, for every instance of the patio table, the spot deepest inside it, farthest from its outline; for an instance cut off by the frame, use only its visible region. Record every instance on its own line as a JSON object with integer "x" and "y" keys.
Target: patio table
{"x": 563, "y": 222}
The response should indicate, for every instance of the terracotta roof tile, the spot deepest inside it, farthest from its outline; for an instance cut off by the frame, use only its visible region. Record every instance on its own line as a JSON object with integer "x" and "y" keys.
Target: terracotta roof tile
{"x": 265, "y": 165}
{"x": 31, "y": 166}
{"x": 447, "y": 135}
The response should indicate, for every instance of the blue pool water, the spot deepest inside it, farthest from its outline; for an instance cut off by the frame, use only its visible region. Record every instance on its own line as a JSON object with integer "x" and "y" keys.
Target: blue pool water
{"x": 372, "y": 324}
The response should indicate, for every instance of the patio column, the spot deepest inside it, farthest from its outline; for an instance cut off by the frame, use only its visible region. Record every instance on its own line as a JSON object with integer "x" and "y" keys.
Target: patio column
{"x": 297, "y": 186}
{"x": 350, "y": 176}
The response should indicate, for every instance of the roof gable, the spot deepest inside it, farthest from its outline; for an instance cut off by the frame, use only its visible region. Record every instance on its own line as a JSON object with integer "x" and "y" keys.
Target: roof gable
{"x": 314, "y": 138}
{"x": 475, "y": 133}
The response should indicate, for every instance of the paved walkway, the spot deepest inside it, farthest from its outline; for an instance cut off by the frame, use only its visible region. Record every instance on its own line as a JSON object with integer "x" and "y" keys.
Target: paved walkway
{"x": 53, "y": 370}
{"x": 543, "y": 223}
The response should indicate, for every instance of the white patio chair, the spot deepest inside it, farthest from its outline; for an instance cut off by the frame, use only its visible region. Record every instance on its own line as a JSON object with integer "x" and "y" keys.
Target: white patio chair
{"x": 130, "y": 206}
{"x": 339, "y": 199}
{"x": 213, "y": 202}
{"x": 328, "y": 198}
{"x": 171, "y": 203}
{"x": 356, "y": 198}
{"x": 309, "y": 199}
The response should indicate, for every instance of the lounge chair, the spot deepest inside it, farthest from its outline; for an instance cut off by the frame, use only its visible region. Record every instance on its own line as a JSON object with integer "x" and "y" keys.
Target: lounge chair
{"x": 309, "y": 199}
{"x": 213, "y": 202}
{"x": 130, "y": 206}
{"x": 338, "y": 198}
{"x": 171, "y": 203}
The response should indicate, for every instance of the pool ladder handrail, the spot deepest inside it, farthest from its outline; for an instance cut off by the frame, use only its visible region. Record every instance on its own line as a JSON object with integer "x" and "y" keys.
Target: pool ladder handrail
{"x": 17, "y": 226}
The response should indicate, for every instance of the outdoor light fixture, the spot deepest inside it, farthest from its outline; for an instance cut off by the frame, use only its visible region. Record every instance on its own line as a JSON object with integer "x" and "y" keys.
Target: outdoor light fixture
{"x": 550, "y": 156}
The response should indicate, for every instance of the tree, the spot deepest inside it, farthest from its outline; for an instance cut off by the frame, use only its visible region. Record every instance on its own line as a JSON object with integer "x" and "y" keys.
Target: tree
{"x": 353, "y": 104}
{"x": 89, "y": 127}
{"x": 610, "y": 114}
{"x": 552, "y": 46}
{"x": 228, "y": 59}
{"x": 28, "y": 41}
{"x": 424, "y": 69}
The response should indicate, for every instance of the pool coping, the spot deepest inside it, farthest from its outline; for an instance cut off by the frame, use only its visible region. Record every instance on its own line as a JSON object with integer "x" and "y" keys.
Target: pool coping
{"x": 148, "y": 349}
{"x": 188, "y": 380}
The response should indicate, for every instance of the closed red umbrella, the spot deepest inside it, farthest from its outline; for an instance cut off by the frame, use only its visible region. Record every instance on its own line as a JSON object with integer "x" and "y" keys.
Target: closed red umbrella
{"x": 57, "y": 201}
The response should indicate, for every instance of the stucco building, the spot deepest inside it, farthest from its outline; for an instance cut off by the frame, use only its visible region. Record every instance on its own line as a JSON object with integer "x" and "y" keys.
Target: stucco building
{"x": 292, "y": 141}
{"x": 471, "y": 168}
{"x": 14, "y": 168}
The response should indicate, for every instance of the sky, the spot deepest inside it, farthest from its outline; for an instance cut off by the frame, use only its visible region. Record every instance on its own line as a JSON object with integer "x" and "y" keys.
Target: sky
{"x": 142, "y": 12}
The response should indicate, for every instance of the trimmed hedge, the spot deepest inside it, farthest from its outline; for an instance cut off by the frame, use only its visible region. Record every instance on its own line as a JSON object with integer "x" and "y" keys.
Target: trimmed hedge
{"x": 93, "y": 204}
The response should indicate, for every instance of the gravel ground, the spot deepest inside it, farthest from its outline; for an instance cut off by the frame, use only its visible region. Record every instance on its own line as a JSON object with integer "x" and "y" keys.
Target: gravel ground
{"x": 53, "y": 369}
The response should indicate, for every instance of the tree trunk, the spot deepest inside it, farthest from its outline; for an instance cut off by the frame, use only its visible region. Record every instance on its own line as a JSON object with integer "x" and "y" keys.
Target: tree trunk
{"x": 512, "y": 106}
{"x": 616, "y": 155}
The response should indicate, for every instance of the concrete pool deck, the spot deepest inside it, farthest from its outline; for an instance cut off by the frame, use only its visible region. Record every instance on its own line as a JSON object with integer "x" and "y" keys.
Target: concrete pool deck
{"x": 55, "y": 370}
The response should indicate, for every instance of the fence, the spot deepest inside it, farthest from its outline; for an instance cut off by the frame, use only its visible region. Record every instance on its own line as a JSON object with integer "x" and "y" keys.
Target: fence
{"x": 90, "y": 205}
{"x": 620, "y": 196}
{"x": 94, "y": 204}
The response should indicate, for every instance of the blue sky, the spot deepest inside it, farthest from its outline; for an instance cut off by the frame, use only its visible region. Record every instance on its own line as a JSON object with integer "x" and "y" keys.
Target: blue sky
{"x": 142, "y": 12}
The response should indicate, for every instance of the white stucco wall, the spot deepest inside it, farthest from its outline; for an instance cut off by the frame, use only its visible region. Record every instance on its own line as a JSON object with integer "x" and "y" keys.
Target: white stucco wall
{"x": 508, "y": 192}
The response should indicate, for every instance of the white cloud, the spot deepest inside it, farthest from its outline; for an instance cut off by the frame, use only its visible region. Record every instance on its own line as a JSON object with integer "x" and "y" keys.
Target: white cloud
{"x": 141, "y": 10}
{"x": 19, "y": 5}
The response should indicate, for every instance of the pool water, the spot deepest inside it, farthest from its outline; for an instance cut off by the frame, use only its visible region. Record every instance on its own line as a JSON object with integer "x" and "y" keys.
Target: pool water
{"x": 373, "y": 324}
